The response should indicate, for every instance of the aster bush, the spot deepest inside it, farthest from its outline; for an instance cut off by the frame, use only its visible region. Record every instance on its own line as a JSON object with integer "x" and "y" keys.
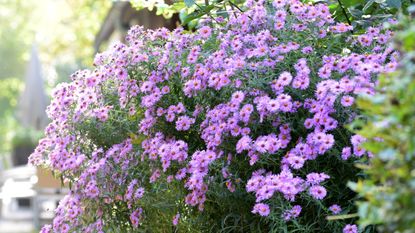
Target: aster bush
{"x": 238, "y": 127}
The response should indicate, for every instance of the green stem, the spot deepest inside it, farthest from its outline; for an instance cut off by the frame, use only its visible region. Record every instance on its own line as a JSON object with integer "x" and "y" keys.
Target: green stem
{"x": 344, "y": 12}
{"x": 340, "y": 217}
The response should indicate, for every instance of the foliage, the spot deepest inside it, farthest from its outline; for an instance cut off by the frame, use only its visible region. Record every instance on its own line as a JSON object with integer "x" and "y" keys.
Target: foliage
{"x": 25, "y": 137}
{"x": 238, "y": 127}
{"x": 364, "y": 13}
{"x": 190, "y": 11}
{"x": 64, "y": 35}
{"x": 9, "y": 89}
{"x": 358, "y": 13}
{"x": 389, "y": 188}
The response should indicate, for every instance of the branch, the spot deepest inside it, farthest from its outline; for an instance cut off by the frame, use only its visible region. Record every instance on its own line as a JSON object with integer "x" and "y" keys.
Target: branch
{"x": 344, "y": 216}
{"x": 237, "y": 7}
{"x": 344, "y": 12}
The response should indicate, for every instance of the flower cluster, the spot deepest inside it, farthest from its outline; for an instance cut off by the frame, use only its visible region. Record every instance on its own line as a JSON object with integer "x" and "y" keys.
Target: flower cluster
{"x": 268, "y": 88}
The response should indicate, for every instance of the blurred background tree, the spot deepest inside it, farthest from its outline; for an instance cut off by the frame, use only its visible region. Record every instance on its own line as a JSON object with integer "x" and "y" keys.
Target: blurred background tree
{"x": 63, "y": 31}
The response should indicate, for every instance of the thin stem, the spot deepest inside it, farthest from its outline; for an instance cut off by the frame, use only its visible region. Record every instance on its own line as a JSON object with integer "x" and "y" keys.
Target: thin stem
{"x": 344, "y": 12}
{"x": 233, "y": 10}
{"x": 206, "y": 12}
{"x": 340, "y": 217}
{"x": 237, "y": 7}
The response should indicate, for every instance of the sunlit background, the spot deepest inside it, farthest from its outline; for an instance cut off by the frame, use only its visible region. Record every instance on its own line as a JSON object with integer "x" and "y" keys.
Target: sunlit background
{"x": 41, "y": 43}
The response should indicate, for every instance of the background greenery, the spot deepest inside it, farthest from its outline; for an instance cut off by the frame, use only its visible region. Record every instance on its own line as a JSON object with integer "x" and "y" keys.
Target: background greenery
{"x": 358, "y": 13}
{"x": 388, "y": 191}
{"x": 63, "y": 31}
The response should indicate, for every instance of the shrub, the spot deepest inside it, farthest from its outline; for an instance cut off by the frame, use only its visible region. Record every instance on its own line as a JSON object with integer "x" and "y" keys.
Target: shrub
{"x": 389, "y": 188}
{"x": 238, "y": 127}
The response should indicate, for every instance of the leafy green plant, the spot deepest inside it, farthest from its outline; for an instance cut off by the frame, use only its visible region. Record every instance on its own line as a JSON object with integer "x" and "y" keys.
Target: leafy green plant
{"x": 25, "y": 137}
{"x": 389, "y": 188}
{"x": 364, "y": 13}
{"x": 9, "y": 90}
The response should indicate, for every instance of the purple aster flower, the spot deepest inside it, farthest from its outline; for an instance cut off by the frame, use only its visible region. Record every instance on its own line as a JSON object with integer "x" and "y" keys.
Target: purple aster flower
{"x": 335, "y": 209}
{"x": 296, "y": 210}
{"x": 324, "y": 72}
{"x": 64, "y": 228}
{"x": 316, "y": 178}
{"x": 307, "y": 50}
{"x": 285, "y": 78}
{"x": 365, "y": 40}
{"x": 349, "y": 228}
{"x": 205, "y": 31}
{"x": 346, "y": 153}
{"x": 286, "y": 106}
{"x": 46, "y": 229}
{"x": 296, "y": 162}
{"x": 176, "y": 219}
{"x": 279, "y": 24}
{"x": 261, "y": 209}
{"x": 139, "y": 193}
{"x": 243, "y": 144}
{"x": 357, "y": 139}
{"x": 280, "y": 14}
{"x": 183, "y": 123}
{"x": 238, "y": 97}
{"x": 135, "y": 217}
{"x": 292, "y": 213}
{"x": 279, "y": 3}
{"x": 273, "y": 105}
{"x": 318, "y": 192}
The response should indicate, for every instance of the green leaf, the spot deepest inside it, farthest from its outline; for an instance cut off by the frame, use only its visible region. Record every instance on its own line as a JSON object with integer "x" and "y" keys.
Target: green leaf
{"x": 394, "y": 3}
{"x": 182, "y": 16}
{"x": 197, "y": 14}
{"x": 189, "y": 3}
{"x": 178, "y": 6}
{"x": 192, "y": 16}
{"x": 356, "y": 13}
{"x": 352, "y": 185}
{"x": 349, "y": 3}
{"x": 222, "y": 12}
{"x": 367, "y": 5}
{"x": 382, "y": 16}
